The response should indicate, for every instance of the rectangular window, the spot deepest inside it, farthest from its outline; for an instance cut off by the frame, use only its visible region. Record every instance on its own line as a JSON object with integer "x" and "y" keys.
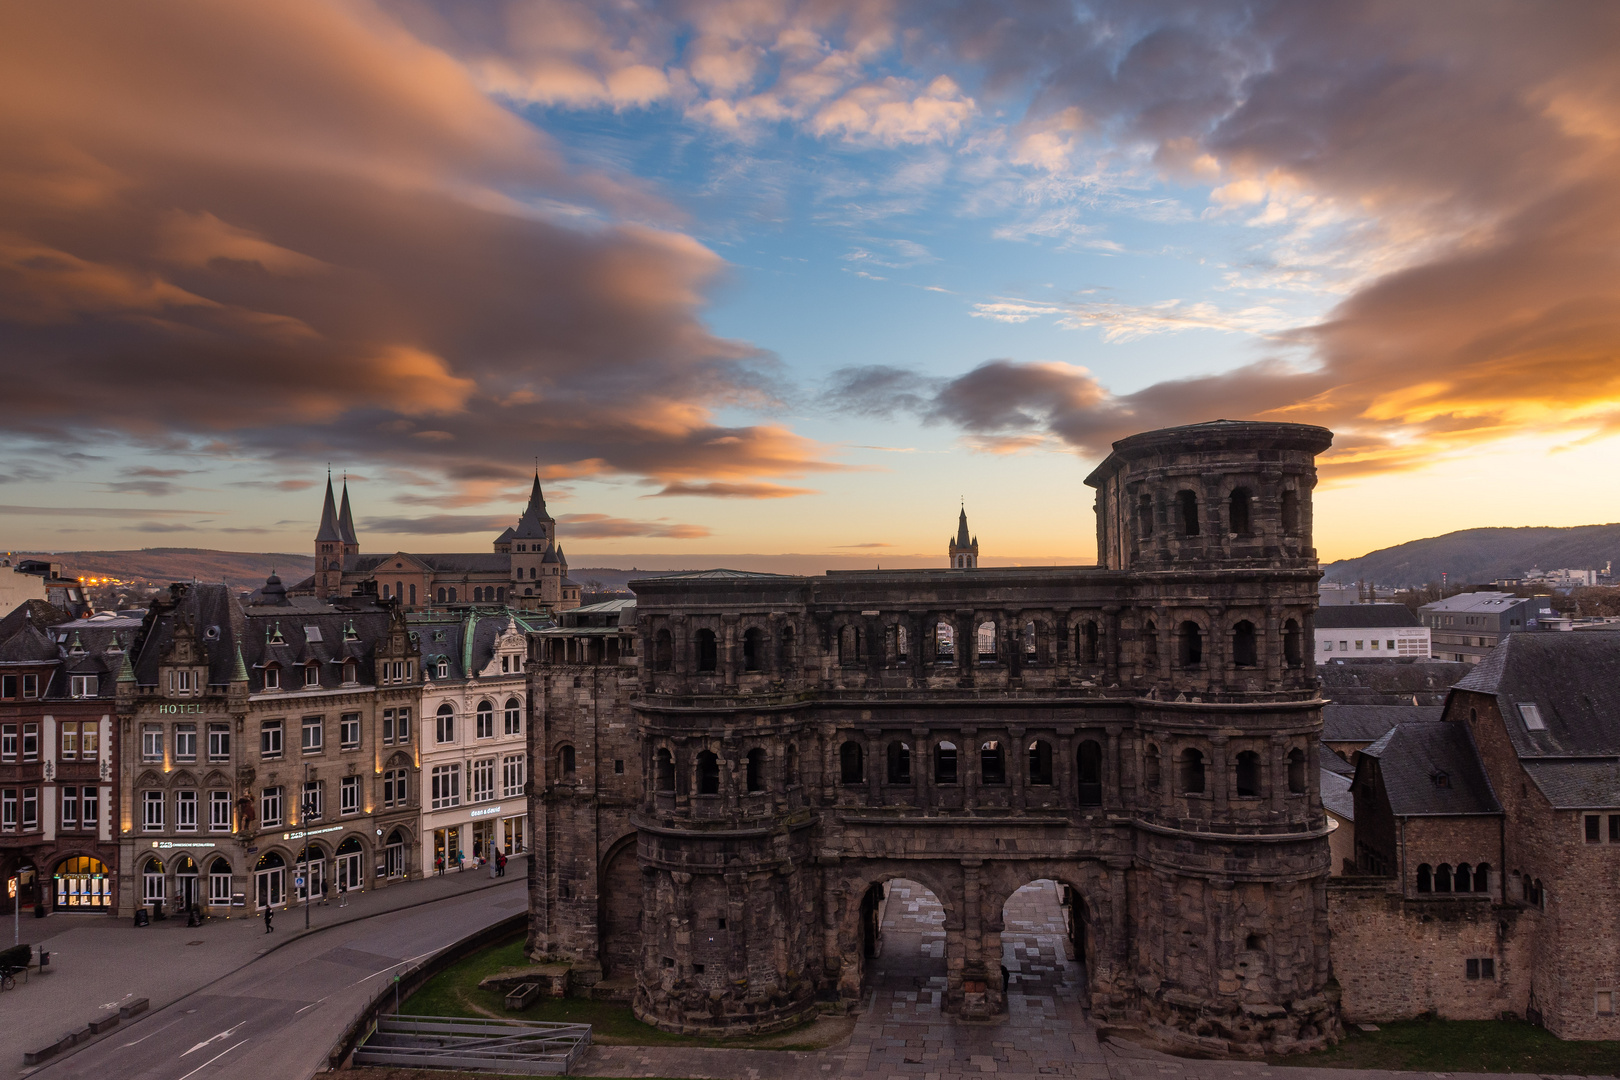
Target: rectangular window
{"x": 84, "y": 686}
{"x": 512, "y": 776}
{"x": 402, "y": 727}
{"x": 388, "y": 727}
{"x": 90, "y": 808}
{"x": 151, "y": 742}
{"x": 1392, "y": 645}
{"x": 70, "y": 742}
{"x": 185, "y": 742}
{"x": 394, "y": 787}
{"x": 1604, "y": 1003}
{"x": 270, "y": 739}
{"x": 30, "y": 686}
{"x": 349, "y": 795}
{"x": 1531, "y": 715}
{"x": 185, "y": 811}
{"x": 314, "y": 804}
{"x": 1594, "y": 833}
{"x": 1614, "y": 828}
{"x": 152, "y": 811}
{"x": 486, "y": 723}
{"x": 8, "y": 686}
{"x": 349, "y": 730}
{"x": 272, "y": 678}
{"x": 445, "y": 727}
{"x": 312, "y": 677}
{"x": 219, "y": 889}
{"x": 8, "y": 742}
{"x": 30, "y": 809}
{"x": 446, "y": 786}
{"x": 219, "y": 742}
{"x": 30, "y": 746}
{"x": 90, "y": 742}
{"x": 8, "y": 810}
{"x": 270, "y": 807}
{"x": 70, "y": 808}
{"x": 514, "y": 717}
{"x": 482, "y": 781}
{"x": 219, "y": 811}
{"x": 314, "y": 734}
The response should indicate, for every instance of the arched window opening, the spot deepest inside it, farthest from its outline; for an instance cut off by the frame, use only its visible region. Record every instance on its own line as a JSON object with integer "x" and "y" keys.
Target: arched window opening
{"x": 753, "y": 641}
{"x": 1245, "y": 651}
{"x": 514, "y": 716}
{"x": 1238, "y": 512}
{"x": 663, "y": 651}
{"x": 478, "y": 596}
{"x": 1296, "y": 772}
{"x": 665, "y": 770}
{"x": 1031, "y": 651}
{"x": 992, "y": 763}
{"x": 485, "y": 717}
{"x": 1150, "y": 644}
{"x": 1192, "y": 645}
{"x": 1425, "y": 878}
{"x": 1040, "y": 763}
{"x": 1089, "y": 637}
{"x": 1290, "y": 512}
{"x": 850, "y": 766}
{"x": 708, "y": 655}
{"x": 1152, "y": 766}
{"x": 945, "y": 763}
{"x": 1442, "y": 878}
{"x": 944, "y": 643}
{"x": 565, "y": 761}
{"x": 784, "y": 647}
{"x": 1187, "y": 512}
{"x": 442, "y": 595}
{"x": 1293, "y": 644}
{"x": 1462, "y": 878}
{"x": 1144, "y": 515}
{"x": 756, "y": 770}
{"x": 452, "y": 594}
{"x": 1248, "y": 775}
{"x": 1192, "y": 771}
{"x": 708, "y": 773}
{"x": 1088, "y": 767}
{"x": 899, "y": 770}
{"x": 987, "y": 642}
{"x": 790, "y": 769}
{"x": 444, "y": 730}
{"x": 1482, "y": 878}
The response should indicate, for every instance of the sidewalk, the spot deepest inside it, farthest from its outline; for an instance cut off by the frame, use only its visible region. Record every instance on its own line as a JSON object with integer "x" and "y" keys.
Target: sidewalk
{"x": 99, "y": 962}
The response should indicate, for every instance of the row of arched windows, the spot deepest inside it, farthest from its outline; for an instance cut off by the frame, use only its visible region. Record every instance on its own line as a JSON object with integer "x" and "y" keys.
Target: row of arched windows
{"x": 483, "y": 720}
{"x": 992, "y": 764}
{"x": 1192, "y": 769}
{"x": 707, "y": 770}
{"x": 1461, "y": 879}
{"x": 1239, "y": 513}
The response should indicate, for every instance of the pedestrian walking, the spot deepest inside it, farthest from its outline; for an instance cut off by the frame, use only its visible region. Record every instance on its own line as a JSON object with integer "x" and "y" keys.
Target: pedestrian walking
{"x": 500, "y": 864}
{"x": 268, "y": 914}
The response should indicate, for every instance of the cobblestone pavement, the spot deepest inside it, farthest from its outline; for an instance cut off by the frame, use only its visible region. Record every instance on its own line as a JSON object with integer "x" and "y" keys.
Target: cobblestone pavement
{"x": 903, "y": 1034}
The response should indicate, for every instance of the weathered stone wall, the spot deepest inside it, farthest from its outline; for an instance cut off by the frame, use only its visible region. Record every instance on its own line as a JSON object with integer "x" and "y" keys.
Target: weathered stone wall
{"x": 1397, "y": 957}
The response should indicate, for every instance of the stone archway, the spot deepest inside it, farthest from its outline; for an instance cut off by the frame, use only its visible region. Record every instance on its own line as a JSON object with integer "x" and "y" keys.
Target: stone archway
{"x": 619, "y": 921}
{"x": 865, "y": 921}
{"x": 1080, "y": 922}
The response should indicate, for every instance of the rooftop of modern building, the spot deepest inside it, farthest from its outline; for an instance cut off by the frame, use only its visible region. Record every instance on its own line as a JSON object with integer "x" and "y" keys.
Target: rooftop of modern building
{"x": 1475, "y": 602}
{"x": 1364, "y": 616}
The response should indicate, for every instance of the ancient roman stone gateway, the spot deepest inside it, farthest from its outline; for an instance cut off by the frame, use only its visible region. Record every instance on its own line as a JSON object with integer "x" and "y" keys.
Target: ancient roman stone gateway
{"x": 724, "y": 770}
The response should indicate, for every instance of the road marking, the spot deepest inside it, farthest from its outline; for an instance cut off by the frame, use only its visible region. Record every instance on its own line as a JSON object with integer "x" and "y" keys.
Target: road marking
{"x": 214, "y": 1038}
{"x": 211, "y": 1060}
{"x": 391, "y": 967}
{"x": 148, "y": 1035}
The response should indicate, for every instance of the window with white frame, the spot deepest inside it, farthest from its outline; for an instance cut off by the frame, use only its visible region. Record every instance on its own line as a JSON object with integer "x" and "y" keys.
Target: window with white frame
{"x": 8, "y": 810}
{"x": 30, "y": 686}
{"x": 444, "y": 668}
{"x": 486, "y": 720}
{"x": 30, "y": 742}
{"x": 394, "y": 792}
{"x": 185, "y": 811}
{"x": 512, "y": 776}
{"x": 185, "y": 742}
{"x": 349, "y": 730}
{"x": 481, "y": 781}
{"x": 90, "y": 808}
{"x": 30, "y": 809}
{"x": 444, "y": 724}
{"x": 388, "y": 727}
{"x": 402, "y": 726}
{"x": 349, "y": 795}
{"x": 84, "y": 686}
{"x": 90, "y": 742}
{"x": 312, "y": 676}
{"x": 219, "y": 742}
{"x": 272, "y": 677}
{"x": 219, "y": 883}
{"x": 314, "y": 728}
{"x": 8, "y": 742}
{"x": 514, "y": 716}
{"x": 219, "y": 811}
{"x": 151, "y": 742}
{"x": 152, "y": 883}
{"x": 70, "y": 741}
{"x": 152, "y": 811}
{"x": 70, "y": 807}
{"x": 446, "y": 786}
{"x": 270, "y": 739}
{"x": 270, "y": 806}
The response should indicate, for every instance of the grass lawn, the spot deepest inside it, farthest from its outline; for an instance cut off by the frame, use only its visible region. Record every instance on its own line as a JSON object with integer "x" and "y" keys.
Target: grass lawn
{"x": 455, "y": 992}
{"x": 1455, "y": 1046}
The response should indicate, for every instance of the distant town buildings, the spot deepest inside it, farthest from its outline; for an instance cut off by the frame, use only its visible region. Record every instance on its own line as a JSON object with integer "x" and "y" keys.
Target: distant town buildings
{"x": 1369, "y": 632}
{"x": 1466, "y": 627}
{"x": 39, "y": 579}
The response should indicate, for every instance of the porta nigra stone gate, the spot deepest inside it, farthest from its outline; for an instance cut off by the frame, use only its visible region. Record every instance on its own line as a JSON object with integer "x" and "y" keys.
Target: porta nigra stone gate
{"x": 723, "y": 775}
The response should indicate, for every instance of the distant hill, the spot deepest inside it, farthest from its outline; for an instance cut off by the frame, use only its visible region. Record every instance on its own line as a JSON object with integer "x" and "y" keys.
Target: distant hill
{"x": 1480, "y": 555}
{"x": 159, "y": 566}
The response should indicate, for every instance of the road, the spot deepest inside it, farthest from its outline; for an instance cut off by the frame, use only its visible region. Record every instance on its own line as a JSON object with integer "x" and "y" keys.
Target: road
{"x": 278, "y": 1017}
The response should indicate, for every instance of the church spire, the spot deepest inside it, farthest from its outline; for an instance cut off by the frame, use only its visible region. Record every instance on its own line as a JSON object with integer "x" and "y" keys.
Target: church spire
{"x": 329, "y": 525}
{"x": 345, "y": 519}
{"x": 964, "y": 548}
{"x": 535, "y": 523}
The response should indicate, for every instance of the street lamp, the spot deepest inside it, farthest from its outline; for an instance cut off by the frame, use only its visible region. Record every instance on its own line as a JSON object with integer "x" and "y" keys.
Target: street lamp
{"x": 309, "y": 808}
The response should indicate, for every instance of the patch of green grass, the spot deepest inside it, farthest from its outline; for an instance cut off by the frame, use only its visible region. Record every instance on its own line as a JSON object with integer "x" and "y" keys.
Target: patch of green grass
{"x": 455, "y": 992}
{"x": 1486, "y": 1046}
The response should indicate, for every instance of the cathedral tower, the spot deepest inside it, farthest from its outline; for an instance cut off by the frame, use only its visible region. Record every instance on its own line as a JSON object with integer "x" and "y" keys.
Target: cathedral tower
{"x": 963, "y": 549}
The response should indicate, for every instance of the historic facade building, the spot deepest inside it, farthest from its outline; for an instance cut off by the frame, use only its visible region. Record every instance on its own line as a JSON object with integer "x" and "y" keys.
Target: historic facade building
{"x": 526, "y": 569}
{"x": 724, "y": 772}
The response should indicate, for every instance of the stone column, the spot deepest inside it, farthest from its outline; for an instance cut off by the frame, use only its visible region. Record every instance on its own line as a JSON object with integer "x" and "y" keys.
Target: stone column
{"x": 967, "y": 768}
{"x": 920, "y": 765}
{"x": 1111, "y": 770}
{"x": 1279, "y": 774}
{"x": 1017, "y": 767}
{"x": 1108, "y": 630}
{"x": 1218, "y": 777}
{"x": 969, "y": 981}
{"x": 1065, "y": 778}
{"x": 877, "y": 766}
{"x": 729, "y": 648}
{"x": 737, "y": 925}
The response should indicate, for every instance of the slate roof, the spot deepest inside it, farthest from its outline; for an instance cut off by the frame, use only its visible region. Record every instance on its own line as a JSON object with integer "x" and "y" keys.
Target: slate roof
{"x": 1411, "y": 756}
{"x": 1390, "y": 682}
{"x": 1364, "y": 616}
{"x": 1336, "y": 795}
{"x": 1578, "y": 785}
{"x": 449, "y": 637}
{"x": 531, "y": 524}
{"x": 716, "y": 575}
{"x": 208, "y": 606}
{"x": 36, "y": 613}
{"x": 468, "y": 562}
{"x": 328, "y": 532}
{"x": 346, "y": 519}
{"x": 282, "y": 636}
{"x": 1368, "y": 723}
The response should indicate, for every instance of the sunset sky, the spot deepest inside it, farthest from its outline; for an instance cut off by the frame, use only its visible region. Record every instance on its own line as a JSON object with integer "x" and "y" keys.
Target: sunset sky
{"x": 772, "y": 277}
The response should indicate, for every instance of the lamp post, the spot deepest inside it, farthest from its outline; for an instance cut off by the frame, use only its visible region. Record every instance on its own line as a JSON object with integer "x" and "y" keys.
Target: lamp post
{"x": 309, "y": 808}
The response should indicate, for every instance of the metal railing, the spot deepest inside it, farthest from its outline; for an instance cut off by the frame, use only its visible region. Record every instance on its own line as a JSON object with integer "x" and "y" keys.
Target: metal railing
{"x": 527, "y": 1047}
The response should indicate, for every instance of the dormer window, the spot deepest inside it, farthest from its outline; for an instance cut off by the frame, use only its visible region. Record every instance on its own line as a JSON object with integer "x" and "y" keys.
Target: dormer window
{"x": 272, "y": 677}
{"x": 351, "y": 671}
{"x": 312, "y": 675}
{"x": 1441, "y": 778}
{"x": 444, "y": 668}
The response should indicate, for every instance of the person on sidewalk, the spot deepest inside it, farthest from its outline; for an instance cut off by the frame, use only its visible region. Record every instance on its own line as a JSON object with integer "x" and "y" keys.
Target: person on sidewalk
{"x": 500, "y": 864}
{"x": 268, "y": 914}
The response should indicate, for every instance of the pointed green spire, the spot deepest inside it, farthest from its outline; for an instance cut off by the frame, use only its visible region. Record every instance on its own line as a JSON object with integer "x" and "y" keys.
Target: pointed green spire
{"x": 467, "y": 643}
{"x": 239, "y": 673}
{"x": 127, "y": 672}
